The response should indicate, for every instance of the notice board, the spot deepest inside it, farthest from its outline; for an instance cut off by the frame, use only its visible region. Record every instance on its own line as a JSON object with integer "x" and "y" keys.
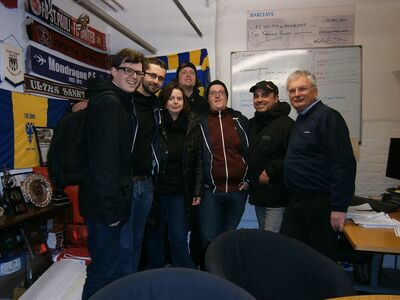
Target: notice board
{"x": 338, "y": 71}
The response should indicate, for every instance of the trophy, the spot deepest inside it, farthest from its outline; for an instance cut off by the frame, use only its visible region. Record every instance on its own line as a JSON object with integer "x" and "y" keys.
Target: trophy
{"x": 13, "y": 201}
{"x": 8, "y": 182}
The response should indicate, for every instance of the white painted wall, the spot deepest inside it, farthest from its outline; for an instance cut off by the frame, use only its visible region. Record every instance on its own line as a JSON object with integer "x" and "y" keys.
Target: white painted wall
{"x": 378, "y": 31}
{"x": 162, "y": 25}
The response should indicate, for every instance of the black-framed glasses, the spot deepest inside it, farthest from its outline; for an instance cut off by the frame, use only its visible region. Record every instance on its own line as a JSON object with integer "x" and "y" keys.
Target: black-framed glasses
{"x": 130, "y": 71}
{"x": 155, "y": 76}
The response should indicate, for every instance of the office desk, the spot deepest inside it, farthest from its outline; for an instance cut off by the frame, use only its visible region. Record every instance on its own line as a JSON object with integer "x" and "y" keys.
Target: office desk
{"x": 378, "y": 240}
{"x": 368, "y": 297}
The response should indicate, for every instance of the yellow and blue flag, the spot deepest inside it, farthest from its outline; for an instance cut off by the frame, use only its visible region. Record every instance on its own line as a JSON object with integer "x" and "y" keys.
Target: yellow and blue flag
{"x": 197, "y": 57}
{"x": 19, "y": 114}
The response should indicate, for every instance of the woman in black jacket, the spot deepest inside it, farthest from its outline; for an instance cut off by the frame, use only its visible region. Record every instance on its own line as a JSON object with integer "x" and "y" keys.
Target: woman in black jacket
{"x": 179, "y": 184}
{"x": 269, "y": 132}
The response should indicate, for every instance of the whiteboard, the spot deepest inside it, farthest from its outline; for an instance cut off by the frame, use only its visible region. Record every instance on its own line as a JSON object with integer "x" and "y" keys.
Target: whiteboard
{"x": 338, "y": 72}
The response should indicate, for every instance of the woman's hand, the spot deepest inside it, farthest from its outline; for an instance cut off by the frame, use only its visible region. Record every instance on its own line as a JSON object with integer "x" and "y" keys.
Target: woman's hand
{"x": 243, "y": 186}
{"x": 264, "y": 178}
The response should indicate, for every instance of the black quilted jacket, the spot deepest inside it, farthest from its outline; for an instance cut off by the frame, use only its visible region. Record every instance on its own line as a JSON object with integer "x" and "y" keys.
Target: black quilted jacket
{"x": 192, "y": 158}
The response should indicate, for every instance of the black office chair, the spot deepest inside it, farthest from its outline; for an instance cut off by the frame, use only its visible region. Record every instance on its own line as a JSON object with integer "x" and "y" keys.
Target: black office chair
{"x": 172, "y": 284}
{"x": 272, "y": 266}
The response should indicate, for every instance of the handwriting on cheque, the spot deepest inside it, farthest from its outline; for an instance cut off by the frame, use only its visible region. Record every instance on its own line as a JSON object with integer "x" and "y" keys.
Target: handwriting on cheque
{"x": 334, "y": 30}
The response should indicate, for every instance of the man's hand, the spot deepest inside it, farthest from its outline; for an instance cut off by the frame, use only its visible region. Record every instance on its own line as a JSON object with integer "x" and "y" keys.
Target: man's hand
{"x": 114, "y": 224}
{"x": 79, "y": 106}
{"x": 337, "y": 220}
{"x": 196, "y": 201}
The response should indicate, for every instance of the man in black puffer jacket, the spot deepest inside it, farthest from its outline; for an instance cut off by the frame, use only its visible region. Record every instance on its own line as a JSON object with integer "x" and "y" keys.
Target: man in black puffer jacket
{"x": 268, "y": 136}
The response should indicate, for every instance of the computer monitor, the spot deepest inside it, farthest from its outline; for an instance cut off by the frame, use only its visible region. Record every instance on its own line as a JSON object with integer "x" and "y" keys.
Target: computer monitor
{"x": 393, "y": 162}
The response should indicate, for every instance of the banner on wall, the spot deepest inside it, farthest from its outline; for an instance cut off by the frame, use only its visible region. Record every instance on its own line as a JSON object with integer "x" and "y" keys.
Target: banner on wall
{"x": 42, "y": 86}
{"x": 50, "y": 66}
{"x": 19, "y": 114}
{"x": 197, "y": 57}
{"x": 79, "y": 28}
{"x": 10, "y": 3}
{"x": 58, "y": 42}
{"x": 13, "y": 64}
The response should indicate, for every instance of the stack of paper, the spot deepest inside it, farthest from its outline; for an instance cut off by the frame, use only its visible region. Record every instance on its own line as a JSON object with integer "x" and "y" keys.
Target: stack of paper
{"x": 378, "y": 221}
{"x": 397, "y": 228}
{"x": 361, "y": 210}
{"x": 363, "y": 215}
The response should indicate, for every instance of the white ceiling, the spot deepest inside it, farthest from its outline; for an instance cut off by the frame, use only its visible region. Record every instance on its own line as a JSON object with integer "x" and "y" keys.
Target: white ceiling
{"x": 162, "y": 25}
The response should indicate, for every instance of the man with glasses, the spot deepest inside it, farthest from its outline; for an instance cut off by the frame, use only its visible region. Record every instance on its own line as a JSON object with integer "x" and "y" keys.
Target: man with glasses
{"x": 225, "y": 145}
{"x": 319, "y": 168}
{"x": 144, "y": 161}
{"x": 105, "y": 194}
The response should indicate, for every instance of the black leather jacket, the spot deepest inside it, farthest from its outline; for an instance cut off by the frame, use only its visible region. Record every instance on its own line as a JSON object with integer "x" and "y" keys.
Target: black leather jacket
{"x": 192, "y": 158}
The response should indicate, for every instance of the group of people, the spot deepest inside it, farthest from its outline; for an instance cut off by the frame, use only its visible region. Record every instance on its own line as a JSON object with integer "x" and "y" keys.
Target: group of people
{"x": 187, "y": 163}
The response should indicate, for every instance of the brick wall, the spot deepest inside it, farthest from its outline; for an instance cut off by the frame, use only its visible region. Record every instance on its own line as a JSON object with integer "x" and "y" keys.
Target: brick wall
{"x": 371, "y": 166}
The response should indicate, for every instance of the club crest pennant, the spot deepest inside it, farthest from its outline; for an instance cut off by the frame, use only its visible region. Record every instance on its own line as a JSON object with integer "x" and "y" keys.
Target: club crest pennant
{"x": 13, "y": 64}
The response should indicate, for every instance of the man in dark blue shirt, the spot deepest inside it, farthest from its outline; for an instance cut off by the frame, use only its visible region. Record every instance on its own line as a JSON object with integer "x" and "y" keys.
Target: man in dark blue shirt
{"x": 319, "y": 168}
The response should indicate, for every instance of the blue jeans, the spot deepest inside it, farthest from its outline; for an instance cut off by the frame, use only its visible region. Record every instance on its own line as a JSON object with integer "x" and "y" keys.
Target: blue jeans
{"x": 220, "y": 212}
{"x": 172, "y": 212}
{"x": 104, "y": 249}
{"x": 132, "y": 232}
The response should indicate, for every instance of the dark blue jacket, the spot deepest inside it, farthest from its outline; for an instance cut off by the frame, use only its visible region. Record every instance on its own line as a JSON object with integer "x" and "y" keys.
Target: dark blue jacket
{"x": 320, "y": 157}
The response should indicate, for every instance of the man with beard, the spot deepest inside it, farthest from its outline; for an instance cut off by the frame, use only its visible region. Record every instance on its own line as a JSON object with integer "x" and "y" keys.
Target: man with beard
{"x": 269, "y": 131}
{"x": 146, "y": 111}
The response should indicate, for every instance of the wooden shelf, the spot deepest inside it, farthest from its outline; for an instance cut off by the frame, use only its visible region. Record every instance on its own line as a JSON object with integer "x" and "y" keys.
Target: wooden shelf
{"x": 37, "y": 213}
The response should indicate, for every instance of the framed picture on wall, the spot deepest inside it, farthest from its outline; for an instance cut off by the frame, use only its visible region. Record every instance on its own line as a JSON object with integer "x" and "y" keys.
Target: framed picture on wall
{"x": 43, "y": 139}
